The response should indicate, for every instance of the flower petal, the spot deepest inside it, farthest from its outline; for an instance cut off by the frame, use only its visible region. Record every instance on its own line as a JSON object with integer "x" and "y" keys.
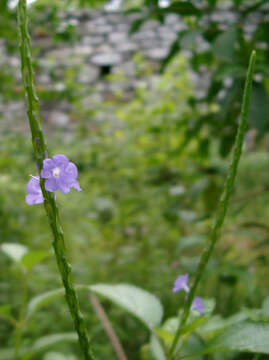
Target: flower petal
{"x": 32, "y": 199}
{"x": 76, "y": 186}
{"x": 198, "y": 304}
{"x": 48, "y": 166}
{"x": 33, "y": 185}
{"x": 60, "y": 160}
{"x": 181, "y": 283}
{"x": 63, "y": 187}
{"x": 51, "y": 184}
{"x": 71, "y": 171}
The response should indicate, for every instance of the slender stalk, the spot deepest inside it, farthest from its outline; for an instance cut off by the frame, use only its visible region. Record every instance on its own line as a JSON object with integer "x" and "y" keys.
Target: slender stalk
{"x": 223, "y": 203}
{"x": 117, "y": 346}
{"x": 40, "y": 150}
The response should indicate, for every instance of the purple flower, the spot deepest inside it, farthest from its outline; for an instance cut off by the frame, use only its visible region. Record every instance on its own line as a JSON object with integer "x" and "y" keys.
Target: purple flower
{"x": 34, "y": 193}
{"x": 198, "y": 305}
{"x": 60, "y": 174}
{"x": 181, "y": 283}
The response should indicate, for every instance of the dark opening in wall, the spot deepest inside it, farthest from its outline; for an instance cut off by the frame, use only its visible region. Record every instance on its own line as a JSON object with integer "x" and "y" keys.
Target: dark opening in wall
{"x": 105, "y": 70}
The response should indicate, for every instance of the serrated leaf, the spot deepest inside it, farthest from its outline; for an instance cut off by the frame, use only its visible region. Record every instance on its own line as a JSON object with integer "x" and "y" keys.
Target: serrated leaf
{"x": 245, "y": 336}
{"x": 33, "y": 258}
{"x": 140, "y": 303}
{"x": 14, "y": 251}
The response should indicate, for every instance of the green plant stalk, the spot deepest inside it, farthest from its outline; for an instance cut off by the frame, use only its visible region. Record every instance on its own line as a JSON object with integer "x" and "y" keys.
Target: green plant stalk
{"x": 223, "y": 204}
{"x": 40, "y": 151}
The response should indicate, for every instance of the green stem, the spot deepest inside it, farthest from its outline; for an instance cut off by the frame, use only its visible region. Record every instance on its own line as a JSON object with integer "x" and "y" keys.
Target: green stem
{"x": 40, "y": 150}
{"x": 223, "y": 203}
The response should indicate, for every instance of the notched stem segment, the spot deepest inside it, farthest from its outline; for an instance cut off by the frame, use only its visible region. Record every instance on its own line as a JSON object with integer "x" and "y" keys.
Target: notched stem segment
{"x": 223, "y": 204}
{"x": 40, "y": 150}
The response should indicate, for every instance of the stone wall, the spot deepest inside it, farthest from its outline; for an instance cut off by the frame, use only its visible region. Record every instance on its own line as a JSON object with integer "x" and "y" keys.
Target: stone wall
{"x": 103, "y": 47}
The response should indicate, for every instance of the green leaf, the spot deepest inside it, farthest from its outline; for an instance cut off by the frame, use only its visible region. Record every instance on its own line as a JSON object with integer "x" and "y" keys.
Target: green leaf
{"x": 136, "y": 24}
{"x": 14, "y": 251}
{"x": 46, "y": 342}
{"x": 188, "y": 242}
{"x": 224, "y": 45}
{"x": 183, "y": 8}
{"x": 5, "y": 310}
{"x": 7, "y": 354}
{"x": 140, "y": 303}
{"x": 212, "y": 2}
{"x": 156, "y": 348}
{"x": 52, "y": 355}
{"x": 33, "y": 258}
{"x": 41, "y": 300}
{"x": 245, "y": 336}
{"x": 258, "y": 113}
{"x": 173, "y": 51}
{"x": 216, "y": 324}
{"x": 39, "y": 346}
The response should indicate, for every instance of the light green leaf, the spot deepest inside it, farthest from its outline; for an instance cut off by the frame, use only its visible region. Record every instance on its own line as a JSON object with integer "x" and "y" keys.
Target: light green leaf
{"x": 140, "y": 303}
{"x": 245, "y": 336}
{"x": 216, "y": 324}
{"x": 156, "y": 348}
{"x": 41, "y": 300}
{"x": 14, "y": 251}
{"x": 187, "y": 242}
{"x": 52, "y": 355}
{"x": 46, "y": 342}
{"x": 33, "y": 258}
{"x": 39, "y": 346}
{"x": 265, "y": 307}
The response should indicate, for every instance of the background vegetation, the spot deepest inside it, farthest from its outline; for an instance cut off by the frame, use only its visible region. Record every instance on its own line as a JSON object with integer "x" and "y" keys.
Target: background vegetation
{"x": 151, "y": 181}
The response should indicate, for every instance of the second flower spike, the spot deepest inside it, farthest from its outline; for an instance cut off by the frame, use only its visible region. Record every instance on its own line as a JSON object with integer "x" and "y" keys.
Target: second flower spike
{"x": 60, "y": 174}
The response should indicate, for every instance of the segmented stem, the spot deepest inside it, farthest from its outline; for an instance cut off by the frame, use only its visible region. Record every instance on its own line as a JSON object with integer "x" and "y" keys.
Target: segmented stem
{"x": 40, "y": 150}
{"x": 223, "y": 203}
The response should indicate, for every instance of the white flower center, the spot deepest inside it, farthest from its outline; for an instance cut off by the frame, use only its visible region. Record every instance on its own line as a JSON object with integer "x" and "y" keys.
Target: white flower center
{"x": 56, "y": 172}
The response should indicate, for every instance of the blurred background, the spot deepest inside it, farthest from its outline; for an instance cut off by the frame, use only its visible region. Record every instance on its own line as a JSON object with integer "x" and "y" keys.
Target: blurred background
{"x": 144, "y": 96}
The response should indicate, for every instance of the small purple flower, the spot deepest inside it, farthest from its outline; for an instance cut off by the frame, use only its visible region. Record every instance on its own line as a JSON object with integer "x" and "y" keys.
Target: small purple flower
{"x": 198, "y": 305}
{"x": 60, "y": 174}
{"x": 34, "y": 193}
{"x": 181, "y": 283}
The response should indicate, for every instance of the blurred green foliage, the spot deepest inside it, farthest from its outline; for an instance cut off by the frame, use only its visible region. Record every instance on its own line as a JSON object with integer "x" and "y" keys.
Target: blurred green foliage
{"x": 151, "y": 180}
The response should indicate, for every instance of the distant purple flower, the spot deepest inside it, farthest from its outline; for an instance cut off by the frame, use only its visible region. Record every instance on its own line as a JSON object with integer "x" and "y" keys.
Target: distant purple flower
{"x": 60, "y": 174}
{"x": 198, "y": 305}
{"x": 34, "y": 193}
{"x": 181, "y": 283}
